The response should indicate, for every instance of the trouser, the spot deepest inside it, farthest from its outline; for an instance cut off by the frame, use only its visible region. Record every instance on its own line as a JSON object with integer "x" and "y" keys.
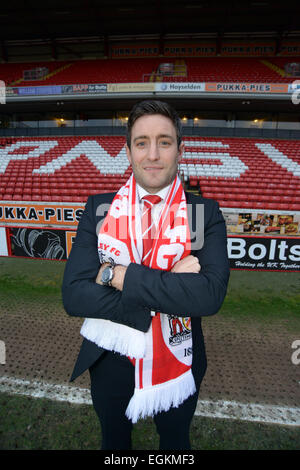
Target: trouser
{"x": 112, "y": 386}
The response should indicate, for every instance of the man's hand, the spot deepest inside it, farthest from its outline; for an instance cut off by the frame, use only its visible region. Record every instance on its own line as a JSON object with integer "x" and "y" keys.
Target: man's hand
{"x": 189, "y": 264}
{"x": 118, "y": 279}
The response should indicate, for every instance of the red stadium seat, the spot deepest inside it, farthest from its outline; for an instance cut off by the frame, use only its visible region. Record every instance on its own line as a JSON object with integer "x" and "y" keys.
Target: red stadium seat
{"x": 195, "y": 69}
{"x": 265, "y": 185}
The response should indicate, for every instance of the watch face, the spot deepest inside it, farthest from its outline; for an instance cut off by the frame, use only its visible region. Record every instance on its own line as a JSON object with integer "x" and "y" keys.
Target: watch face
{"x": 107, "y": 275}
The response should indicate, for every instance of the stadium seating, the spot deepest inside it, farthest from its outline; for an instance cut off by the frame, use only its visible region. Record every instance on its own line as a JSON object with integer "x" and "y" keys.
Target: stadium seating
{"x": 83, "y": 71}
{"x": 238, "y": 69}
{"x": 237, "y": 172}
{"x": 12, "y": 73}
{"x": 204, "y": 69}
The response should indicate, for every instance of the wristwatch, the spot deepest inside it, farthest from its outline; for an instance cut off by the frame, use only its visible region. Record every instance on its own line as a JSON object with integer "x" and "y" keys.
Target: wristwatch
{"x": 107, "y": 275}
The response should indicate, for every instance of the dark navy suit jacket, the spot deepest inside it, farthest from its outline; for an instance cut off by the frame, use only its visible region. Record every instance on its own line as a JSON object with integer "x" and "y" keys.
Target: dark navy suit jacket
{"x": 145, "y": 289}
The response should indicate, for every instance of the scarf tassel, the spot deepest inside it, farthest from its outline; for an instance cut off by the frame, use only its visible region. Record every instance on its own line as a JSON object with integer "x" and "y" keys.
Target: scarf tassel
{"x": 115, "y": 337}
{"x": 152, "y": 400}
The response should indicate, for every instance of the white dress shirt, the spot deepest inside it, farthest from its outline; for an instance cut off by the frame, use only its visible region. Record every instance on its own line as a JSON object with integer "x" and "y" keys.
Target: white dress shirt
{"x": 156, "y": 210}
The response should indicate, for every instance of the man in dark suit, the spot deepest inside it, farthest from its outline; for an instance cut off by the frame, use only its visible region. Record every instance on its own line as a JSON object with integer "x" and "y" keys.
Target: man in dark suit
{"x": 129, "y": 295}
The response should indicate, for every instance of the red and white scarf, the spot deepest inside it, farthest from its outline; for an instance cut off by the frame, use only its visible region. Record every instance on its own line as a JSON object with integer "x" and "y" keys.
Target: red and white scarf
{"x": 163, "y": 356}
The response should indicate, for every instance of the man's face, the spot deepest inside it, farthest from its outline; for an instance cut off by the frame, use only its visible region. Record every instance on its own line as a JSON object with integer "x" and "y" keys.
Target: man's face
{"x": 154, "y": 154}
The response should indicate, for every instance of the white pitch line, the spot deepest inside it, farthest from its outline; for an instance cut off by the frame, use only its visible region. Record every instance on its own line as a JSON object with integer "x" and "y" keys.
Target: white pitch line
{"x": 37, "y": 389}
{"x": 262, "y": 413}
{"x": 269, "y": 414}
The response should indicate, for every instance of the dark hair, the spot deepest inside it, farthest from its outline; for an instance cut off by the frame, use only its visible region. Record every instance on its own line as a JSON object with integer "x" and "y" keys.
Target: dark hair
{"x": 154, "y": 107}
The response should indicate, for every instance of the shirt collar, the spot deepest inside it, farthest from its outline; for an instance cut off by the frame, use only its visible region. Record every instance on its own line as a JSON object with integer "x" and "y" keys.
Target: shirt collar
{"x": 162, "y": 193}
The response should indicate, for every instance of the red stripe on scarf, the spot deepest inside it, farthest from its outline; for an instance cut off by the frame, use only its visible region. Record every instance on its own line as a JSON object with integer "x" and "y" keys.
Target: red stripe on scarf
{"x": 141, "y": 372}
{"x": 170, "y": 368}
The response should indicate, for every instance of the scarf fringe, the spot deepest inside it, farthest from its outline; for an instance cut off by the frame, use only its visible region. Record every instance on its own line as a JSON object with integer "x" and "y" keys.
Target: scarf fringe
{"x": 115, "y": 337}
{"x": 152, "y": 400}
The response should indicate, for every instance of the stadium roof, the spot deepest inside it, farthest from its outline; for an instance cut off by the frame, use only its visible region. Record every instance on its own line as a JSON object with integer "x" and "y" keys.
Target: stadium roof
{"x": 53, "y": 19}
{"x": 61, "y": 23}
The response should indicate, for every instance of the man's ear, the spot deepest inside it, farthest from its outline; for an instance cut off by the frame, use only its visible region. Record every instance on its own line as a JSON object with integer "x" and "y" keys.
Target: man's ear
{"x": 128, "y": 153}
{"x": 180, "y": 152}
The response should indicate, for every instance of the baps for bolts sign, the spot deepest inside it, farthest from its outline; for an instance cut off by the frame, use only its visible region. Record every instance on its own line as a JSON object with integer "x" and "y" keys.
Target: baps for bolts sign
{"x": 264, "y": 253}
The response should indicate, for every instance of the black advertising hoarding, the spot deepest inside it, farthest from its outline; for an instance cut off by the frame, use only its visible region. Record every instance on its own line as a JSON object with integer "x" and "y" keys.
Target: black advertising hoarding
{"x": 97, "y": 88}
{"x": 244, "y": 253}
{"x": 264, "y": 253}
{"x": 40, "y": 243}
{"x": 84, "y": 88}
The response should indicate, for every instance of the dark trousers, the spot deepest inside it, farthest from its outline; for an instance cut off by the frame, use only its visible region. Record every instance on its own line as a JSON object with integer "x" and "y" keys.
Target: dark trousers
{"x": 112, "y": 386}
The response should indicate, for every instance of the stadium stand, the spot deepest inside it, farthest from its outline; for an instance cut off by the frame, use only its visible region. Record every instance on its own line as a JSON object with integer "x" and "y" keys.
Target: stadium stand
{"x": 237, "y": 172}
{"x": 84, "y": 71}
{"x": 205, "y": 69}
{"x": 12, "y": 73}
{"x": 238, "y": 69}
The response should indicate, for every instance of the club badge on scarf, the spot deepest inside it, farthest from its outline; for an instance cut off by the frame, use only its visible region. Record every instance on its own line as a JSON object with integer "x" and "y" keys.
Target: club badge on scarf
{"x": 162, "y": 357}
